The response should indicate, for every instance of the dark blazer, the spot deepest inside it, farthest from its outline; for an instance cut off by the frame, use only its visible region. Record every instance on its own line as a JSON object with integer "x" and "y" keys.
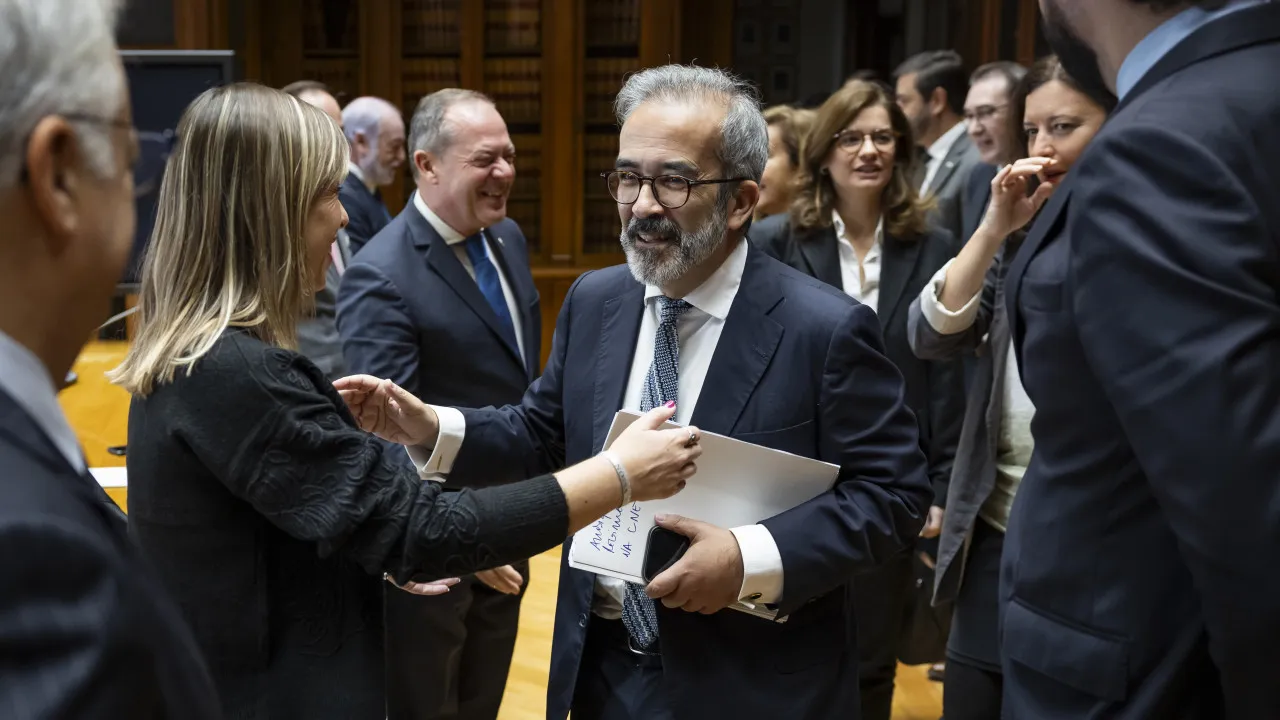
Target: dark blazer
{"x": 974, "y": 474}
{"x": 271, "y": 517}
{"x": 934, "y": 390}
{"x": 973, "y": 203}
{"x": 409, "y": 311}
{"x": 318, "y": 336}
{"x": 366, "y": 213}
{"x": 1144, "y": 309}
{"x": 798, "y": 367}
{"x": 86, "y": 629}
{"x": 949, "y": 183}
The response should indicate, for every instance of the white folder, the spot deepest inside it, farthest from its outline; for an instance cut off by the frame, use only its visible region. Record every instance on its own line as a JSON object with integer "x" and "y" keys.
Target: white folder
{"x": 736, "y": 484}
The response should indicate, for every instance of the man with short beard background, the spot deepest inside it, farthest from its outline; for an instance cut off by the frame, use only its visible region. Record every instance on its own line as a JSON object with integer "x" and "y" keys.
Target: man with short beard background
{"x": 442, "y": 302}
{"x": 1136, "y": 579}
{"x": 375, "y": 132}
{"x": 744, "y": 346}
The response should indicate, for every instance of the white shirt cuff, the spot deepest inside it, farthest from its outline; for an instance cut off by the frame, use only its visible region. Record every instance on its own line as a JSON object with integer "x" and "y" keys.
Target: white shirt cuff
{"x": 761, "y": 565}
{"x": 938, "y": 316}
{"x": 434, "y": 463}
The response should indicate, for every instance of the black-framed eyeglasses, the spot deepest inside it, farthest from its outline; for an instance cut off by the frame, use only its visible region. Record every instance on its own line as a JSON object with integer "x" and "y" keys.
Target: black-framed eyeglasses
{"x": 154, "y": 149}
{"x": 853, "y": 140}
{"x": 671, "y": 191}
{"x": 983, "y": 113}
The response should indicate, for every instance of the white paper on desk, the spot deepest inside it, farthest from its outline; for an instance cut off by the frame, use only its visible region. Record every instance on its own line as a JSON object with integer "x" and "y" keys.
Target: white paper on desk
{"x": 736, "y": 484}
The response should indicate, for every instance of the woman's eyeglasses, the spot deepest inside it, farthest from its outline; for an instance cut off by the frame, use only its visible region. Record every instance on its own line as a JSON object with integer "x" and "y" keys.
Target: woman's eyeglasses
{"x": 851, "y": 141}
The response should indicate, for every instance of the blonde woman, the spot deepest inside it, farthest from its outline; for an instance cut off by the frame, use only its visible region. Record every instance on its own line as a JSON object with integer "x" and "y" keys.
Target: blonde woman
{"x": 270, "y": 515}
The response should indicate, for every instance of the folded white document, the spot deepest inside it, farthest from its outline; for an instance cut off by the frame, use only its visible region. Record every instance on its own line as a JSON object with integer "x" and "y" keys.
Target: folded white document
{"x": 737, "y": 483}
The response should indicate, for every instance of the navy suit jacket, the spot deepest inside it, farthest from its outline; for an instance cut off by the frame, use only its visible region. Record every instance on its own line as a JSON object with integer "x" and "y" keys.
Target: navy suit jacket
{"x": 1145, "y": 309}
{"x": 973, "y": 205}
{"x": 409, "y": 311}
{"x": 86, "y": 630}
{"x": 799, "y": 367}
{"x": 366, "y": 213}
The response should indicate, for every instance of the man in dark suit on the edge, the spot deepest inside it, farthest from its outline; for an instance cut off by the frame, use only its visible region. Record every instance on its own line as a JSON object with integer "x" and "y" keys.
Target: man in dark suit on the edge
{"x": 86, "y": 631}
{"x": 442, "y": 302}
{"x": 1145, "y": 310}
{"x": 744, "y": 346}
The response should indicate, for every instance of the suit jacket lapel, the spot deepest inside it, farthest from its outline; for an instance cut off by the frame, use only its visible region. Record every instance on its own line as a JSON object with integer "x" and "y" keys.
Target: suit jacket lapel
{"x": 818, "y": 248}
{"x": 747, "y": 344}
{"x": 949, "y": 164}
{"x": 1235, "y": 31}
{"x": 1052, "y": 215}
{"x": 441, "y": 259}
{"x": 524, "y": 293}
{"x": 897, "y": 264}
{"x": 619, "y": 330}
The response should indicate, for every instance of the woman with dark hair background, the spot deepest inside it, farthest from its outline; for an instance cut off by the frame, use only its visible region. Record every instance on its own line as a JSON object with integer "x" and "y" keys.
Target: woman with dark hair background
{"x": 858, "y": 225}
{"x": 960, "y": 311}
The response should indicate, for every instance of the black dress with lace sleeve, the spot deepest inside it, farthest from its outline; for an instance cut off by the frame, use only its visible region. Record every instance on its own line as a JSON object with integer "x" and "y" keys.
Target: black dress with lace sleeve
{"x": 271, "y": 518}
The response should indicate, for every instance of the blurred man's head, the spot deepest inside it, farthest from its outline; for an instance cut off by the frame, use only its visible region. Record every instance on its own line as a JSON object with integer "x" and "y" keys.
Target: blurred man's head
{"x": 986, "y": 110}
{"x": 463, "y": 158}
{"x": 930, "y": 89}
{"x": 682, "y": 124}
{"x": 67, "y": 147}
{"x": 314, "y": 92}
{"x": 375, "y": 131}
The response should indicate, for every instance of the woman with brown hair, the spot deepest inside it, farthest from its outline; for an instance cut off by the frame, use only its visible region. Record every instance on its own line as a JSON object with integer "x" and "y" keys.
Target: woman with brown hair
{"x": 788, "y": 126}
{"x": 270, "y": 515}
{"x": 857, "y": 224}
{"x": 960, "y": 311}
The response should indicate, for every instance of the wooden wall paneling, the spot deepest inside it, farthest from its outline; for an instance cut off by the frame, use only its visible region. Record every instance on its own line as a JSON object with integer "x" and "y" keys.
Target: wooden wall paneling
{"x": 1028, "y": 23}
{"x": 989, "y": 47}
{"x": 659, "y": 32}
{"x": 191, "y": 24}
{"x": 706, "y": 33}
{"x": 281, "y": 42}
{"x": 472, "y": 36}
{"x": 381, "y": 45}
{"x": 562, "y": 168}
{"x": 251, "y": 60}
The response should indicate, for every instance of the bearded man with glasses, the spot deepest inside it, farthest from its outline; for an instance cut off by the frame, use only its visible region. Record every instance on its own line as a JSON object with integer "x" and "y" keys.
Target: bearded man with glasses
{"x": 743, "y": 346}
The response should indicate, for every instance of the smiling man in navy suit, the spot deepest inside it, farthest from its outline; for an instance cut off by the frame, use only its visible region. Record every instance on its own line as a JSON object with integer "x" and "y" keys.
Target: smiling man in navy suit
{"x": 442, "y": 302}
{"x": 747, "y": 347}
{"x": 1145, "y": 310}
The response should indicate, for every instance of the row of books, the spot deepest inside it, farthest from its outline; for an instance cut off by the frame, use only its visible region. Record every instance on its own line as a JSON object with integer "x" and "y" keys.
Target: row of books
{"x": 430, "y": 26}
{"x": 512, "y": 26}
{"x": 515, "y": 84}
{"x": 423, "y": 76}
{"x": 602, "y": 79}
{"x": 611, "y": 23}
{"x": 528, "y": 183}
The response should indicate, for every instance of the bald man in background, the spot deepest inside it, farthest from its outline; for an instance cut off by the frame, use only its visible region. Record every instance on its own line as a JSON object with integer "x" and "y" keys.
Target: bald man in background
{"x": 318, "y": 337}
{"x": 375, "y": 131}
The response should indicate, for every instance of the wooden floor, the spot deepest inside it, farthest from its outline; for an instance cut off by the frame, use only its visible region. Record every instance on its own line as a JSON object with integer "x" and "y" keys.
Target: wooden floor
{"x": 99, "y": 413}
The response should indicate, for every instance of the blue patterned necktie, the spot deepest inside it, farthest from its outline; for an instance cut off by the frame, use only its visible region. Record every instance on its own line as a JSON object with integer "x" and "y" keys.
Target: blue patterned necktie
{"x": 660, "y": 385}
{"x": 491, "y": 287}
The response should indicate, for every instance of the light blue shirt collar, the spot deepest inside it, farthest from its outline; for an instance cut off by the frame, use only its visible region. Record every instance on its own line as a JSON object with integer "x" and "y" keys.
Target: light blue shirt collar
{"x": 1160, "y": 41}
{"x": 24, "y": 378}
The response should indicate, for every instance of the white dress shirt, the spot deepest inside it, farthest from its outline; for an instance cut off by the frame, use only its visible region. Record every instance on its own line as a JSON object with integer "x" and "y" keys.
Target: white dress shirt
{"x": 27, "y": 381}
{"x": 938, "y": 152}
{"x": 698, "y": 331}
{"x": 860, "y": 280}
{"x": 1014, "y": 443}
{"x": 457, "y": 242}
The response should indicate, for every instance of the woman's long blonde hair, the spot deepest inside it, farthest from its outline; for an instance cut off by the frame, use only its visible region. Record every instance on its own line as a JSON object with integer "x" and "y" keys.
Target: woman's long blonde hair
{"x": 229, "y": 248}
{"x": 904, "y": 210}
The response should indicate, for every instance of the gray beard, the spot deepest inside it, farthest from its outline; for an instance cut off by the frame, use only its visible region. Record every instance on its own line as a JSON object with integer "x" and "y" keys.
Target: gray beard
{"x": 662, "y": 266}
